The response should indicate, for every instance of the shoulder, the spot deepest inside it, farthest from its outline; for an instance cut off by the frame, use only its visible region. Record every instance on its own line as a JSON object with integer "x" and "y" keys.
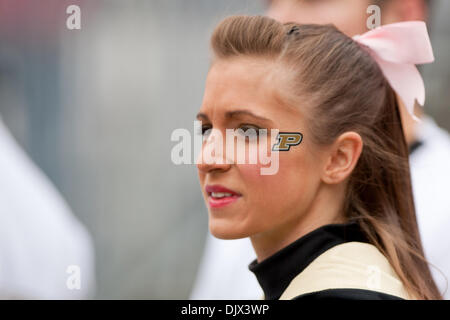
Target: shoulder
{"x": 436, "y": 144}
{"x": 352, "y": 270}
{"x": 346, "y": 294}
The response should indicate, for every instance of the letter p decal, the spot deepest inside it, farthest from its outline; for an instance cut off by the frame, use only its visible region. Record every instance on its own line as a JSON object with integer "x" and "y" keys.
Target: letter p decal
{"x": 286, "y": 140}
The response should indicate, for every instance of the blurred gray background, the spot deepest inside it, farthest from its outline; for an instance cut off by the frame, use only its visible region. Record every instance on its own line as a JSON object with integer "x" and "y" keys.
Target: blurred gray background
{"x": 95, "y": 108}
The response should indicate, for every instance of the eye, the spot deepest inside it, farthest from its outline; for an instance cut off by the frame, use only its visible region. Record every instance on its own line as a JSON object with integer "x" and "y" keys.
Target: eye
{"x": 206, "y": 130}
{"x": 249, "y": 130}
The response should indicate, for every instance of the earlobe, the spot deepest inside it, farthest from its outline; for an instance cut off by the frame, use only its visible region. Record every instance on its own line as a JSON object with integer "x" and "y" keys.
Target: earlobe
{"x": 343, "y": 158}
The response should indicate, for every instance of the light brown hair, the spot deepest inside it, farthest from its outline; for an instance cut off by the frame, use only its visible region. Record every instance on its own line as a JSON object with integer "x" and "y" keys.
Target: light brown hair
{"x": 343, "y": 89}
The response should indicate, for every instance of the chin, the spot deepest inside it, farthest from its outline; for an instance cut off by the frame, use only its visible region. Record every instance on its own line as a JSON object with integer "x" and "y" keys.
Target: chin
{"x": 226, "y": 232}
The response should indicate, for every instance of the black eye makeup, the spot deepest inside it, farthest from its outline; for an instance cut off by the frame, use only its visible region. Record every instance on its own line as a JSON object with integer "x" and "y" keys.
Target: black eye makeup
{"x": 204, "y": 130}
{"x": 249, "y": 130}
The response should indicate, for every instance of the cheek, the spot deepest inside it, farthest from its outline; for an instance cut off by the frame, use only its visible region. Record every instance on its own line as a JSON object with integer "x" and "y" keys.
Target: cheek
{"x": 291, "y": 185}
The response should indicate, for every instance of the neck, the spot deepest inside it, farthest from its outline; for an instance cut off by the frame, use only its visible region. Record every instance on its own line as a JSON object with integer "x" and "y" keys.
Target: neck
{"x": 326, "y": 208}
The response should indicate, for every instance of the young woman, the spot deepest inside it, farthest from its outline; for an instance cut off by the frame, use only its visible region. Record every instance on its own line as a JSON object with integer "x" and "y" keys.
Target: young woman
{"x": 337, "y": 219}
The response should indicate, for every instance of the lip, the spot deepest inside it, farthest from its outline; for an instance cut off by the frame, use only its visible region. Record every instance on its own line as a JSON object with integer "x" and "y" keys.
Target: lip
{"x": 221, "y": 202}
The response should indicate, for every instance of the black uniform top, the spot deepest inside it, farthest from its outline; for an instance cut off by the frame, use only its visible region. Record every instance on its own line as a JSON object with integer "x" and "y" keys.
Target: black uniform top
{"x": 276, "y": 272}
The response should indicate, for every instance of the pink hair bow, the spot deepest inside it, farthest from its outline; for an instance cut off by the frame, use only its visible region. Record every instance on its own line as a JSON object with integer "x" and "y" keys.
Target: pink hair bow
{"x": 397, "y": 48}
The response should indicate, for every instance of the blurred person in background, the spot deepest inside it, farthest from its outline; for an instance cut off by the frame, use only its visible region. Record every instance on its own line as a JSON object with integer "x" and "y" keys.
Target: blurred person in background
{"x": 224, "y": 273}
{"x": 45, "y": 252}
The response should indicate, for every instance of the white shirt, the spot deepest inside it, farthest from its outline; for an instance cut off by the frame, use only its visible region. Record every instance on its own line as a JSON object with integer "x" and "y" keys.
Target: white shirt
{"x": 45, "y": 253}
{"x": 430, "y": 175}
{"x": 224, "y": 274}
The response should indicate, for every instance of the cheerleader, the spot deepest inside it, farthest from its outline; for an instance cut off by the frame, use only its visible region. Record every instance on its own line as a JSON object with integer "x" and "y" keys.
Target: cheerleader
{"x": 337, "y": 220}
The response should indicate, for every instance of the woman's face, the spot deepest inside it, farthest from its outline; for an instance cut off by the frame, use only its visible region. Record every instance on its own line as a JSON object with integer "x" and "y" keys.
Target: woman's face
{"x": 349, "y": 16}
{"x": 259, "y": 203}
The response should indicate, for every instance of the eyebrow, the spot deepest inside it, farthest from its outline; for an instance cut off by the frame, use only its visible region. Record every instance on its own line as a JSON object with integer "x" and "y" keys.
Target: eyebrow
{"x": 234, "y": 114}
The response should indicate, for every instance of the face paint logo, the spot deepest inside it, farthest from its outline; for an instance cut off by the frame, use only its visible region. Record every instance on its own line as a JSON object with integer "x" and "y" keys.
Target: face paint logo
{"x": 286, "y": 140}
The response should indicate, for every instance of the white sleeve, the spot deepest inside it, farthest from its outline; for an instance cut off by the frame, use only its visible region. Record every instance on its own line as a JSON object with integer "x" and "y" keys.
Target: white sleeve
{"x": 430, "y": 174}
{"x": 45, "y": 252}
{"x": 223, "y": 272}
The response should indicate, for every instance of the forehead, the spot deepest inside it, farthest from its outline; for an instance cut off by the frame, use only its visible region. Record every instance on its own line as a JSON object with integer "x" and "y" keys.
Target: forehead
{"x": 253, "y": 83}
{"x": 242, "y": 76}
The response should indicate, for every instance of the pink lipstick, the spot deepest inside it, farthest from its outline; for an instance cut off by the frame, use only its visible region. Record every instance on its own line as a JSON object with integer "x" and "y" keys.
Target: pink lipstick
{"x": 219, "y": 196}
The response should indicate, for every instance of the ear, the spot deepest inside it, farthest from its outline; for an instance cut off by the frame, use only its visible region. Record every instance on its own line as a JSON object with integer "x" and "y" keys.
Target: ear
{"x": 342, "y": 157}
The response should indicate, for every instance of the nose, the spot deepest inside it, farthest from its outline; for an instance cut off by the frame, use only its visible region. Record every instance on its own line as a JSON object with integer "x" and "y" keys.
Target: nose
{"x": 212, "y": 156}
{"x": 209, "y": 167}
